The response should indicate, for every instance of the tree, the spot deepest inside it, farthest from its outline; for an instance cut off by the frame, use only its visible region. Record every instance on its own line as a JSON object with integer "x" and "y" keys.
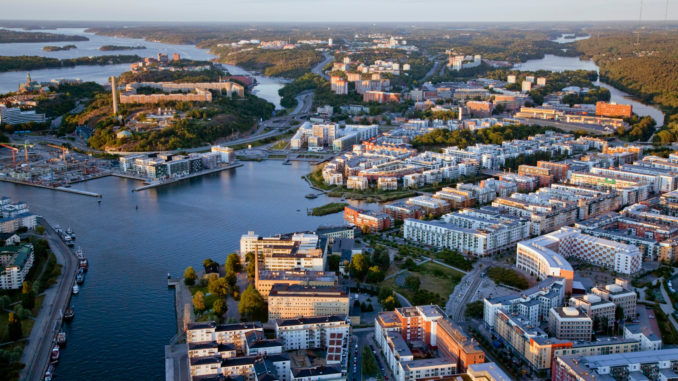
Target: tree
{"x": 40, "y": 229}
{"x": 412, "y": 282}
{"x": 233, "y": 264}
{"x": 252, "y": 306}
{"x": 14, "y": 327}
{"x": 28, "y": 300}
{"x": 199, "y": 301}
{"x": 220, "y": 307}
{"x": 190, "y": 276}
{"x": 210, "y": 266}
{"x": 369, "y": 363}
{"x": 251, "y": 266}
{"x": 359, "y": 266}
{"x": 475, "y": 309}
{"x": 390, "y": 303}
{"x": 333, "y": 262}
{"x": 26, "y": 287}
{"x": 375, "y": 275}
{"x": 218, "y": 286}
{"x": 5, "y": 301}
{"x": 231, "y": 279}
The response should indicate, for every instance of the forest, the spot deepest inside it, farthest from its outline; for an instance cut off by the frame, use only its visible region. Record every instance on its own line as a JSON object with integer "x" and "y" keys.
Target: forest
{"x": 288, "y": 63}
{"x": 439, "y": 138}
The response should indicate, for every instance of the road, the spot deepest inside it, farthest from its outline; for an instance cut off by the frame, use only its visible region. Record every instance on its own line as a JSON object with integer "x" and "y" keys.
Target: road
{"x": 37, "y": 352}
{"x": 463, "y": 293}
{"x": 318, "y": 69}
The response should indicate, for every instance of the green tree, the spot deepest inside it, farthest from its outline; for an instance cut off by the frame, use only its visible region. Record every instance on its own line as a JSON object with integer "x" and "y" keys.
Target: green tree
{"x": 369, "y": 363}
{"x": 218, "y": 286}
{"x": 412, "y": 282}
{"x": 190, "y": 276}
{"x": 475, "y": 309}
{"x": 375, "y": 275}
{"x": 390, "y": 303}
{"x": 40, "y": 229}
{"x": 199, "y": 301}
{"x": 252, "y": 306}
{"x": 359, "y": 266}
{"x": 220, "y": 307}
{"x": 28, "y": 300}
{"x": 251, "y": 266}
{"x": 14, "y": 327}
{"x": 233, "y": 263}
{"x": 210, "y": 266}
{"x": 333, "y": 262}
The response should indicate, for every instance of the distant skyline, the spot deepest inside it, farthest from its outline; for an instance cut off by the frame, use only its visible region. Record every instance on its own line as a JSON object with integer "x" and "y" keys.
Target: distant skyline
{"x": 337, "y": 11}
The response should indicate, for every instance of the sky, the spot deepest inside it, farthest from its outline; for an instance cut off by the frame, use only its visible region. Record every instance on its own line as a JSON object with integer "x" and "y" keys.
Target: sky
{"x": 336, "y": 10}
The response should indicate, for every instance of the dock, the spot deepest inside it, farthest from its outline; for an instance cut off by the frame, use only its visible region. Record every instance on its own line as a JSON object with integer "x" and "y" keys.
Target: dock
{"x": 197, "y": 174}
{"x": 61, "y": 188}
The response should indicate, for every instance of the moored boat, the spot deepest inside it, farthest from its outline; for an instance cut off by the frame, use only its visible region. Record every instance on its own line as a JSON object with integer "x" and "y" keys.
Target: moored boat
{"x": 83, "y": 264}
{"x": 80, "y": 278}
{"x": 61, "y": 338}
{"x": 70, "y": 232}
{"x": 311, "y": 196}
{"x": 69, "y": 314}
{"x": 76, "y": 289}
{"x": 55, "y": 353}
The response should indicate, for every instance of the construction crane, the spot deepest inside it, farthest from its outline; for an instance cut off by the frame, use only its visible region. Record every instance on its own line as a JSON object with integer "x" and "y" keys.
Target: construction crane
{"x": 14, "y": 151}
{"x": 64, "y": 151}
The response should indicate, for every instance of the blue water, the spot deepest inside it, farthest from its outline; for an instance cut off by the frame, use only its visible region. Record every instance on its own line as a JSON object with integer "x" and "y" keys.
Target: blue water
{"x": 125, "y": 312}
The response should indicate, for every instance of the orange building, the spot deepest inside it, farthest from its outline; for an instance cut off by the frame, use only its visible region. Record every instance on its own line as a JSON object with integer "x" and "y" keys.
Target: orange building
{"x": 373, "y": 221}
{"x": 479, "y": 108}
{"x": 613, "y": 110}
{"x": 558, "y": 171}
{"x": 543, "y": 174}
{"x": 380, "y": 97}
{"x": 453, "y": 343}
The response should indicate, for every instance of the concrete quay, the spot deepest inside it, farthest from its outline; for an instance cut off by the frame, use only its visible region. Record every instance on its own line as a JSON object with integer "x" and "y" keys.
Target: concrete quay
{"x": 198, "y": 174}
{"x": 62, "y": 189}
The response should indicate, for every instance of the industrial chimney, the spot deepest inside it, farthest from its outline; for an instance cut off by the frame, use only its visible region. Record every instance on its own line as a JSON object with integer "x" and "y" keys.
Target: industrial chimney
{"x": 114, "y": 91}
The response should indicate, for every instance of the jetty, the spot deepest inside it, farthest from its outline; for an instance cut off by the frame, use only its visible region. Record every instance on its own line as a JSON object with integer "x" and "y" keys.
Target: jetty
{"x": 59, "y": 188}
{"x": 157, "y": 184}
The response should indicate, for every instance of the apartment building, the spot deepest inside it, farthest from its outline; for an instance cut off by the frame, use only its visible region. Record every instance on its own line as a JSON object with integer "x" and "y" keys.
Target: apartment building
{"x": 659, "y": 179}
{"x": 532, "y": 304}
{"x": 430, "y": 205}
{"x": 367, "y": 219}
{"x": 473, "y": 232}
{"x": 297, "y": 251}
{"x": 653, "y": 365}
{"x": 14, "y": 116}
{"x": 600, "y": 311}
{"x": 234, "y": 334}
{"x": 380, "y": 97}
{"x": 399, "y": 210}
{"x": 397, "y": 332}
{"x": 542, "y": 173}
{"x": 15, "y": 263}
{"x": 613, "y": 110}
{"x": 630, "y": 191}
{"x": 331, "y": 333}
{"x": 545, "y": 255}
{"x": 568, "y": 323}
{"x": 545, "y": 213}
{"x": 620, "y": 296}
{"x": 293, "y": 301}
{"x": 264, "y": 280}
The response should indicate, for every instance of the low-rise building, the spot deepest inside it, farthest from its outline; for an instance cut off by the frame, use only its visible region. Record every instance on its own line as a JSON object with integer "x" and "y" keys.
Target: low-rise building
{"x": 295, "y": 301}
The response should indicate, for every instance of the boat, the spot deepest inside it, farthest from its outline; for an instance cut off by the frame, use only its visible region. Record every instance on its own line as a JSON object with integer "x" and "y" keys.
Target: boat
{"x": 49, "y": 373}
{"x": 57, "y": 229}
{"x": 80, "y": 278}
{"x": 79, "y": 253}
{"x": 69, "y": 314}
{"x": 83, "y": 264}
{"x": 55, "y": 353}
{"x": 61, "y": 338}
{"x": 287, "y": 162}
{"x": 69, "y": 231}
{"x": 311, "y": 196}
{"x": 76, "y": 289}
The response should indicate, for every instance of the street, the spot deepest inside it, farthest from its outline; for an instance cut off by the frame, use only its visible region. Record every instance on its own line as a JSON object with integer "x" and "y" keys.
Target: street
{"x": 37, "y": 351}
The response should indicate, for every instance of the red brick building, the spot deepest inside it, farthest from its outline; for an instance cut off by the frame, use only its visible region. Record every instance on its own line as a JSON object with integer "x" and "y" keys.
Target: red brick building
{"x": 558, "y": 171}
{"x": 543, "y": 174}
{"x": 374, "y": 221}
{"x": 613, "y": 110}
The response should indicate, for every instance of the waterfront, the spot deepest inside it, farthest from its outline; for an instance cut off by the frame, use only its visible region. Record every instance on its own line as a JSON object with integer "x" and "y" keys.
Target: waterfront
{"x": 559, "y": 64}
{"x": 125, "y": 312}
{"x": 266, "y": 88}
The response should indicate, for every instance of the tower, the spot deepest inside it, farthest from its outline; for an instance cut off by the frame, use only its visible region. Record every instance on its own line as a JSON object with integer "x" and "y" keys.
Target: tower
{"x": 114, "y": 92}
{"x": 28, "y": 78}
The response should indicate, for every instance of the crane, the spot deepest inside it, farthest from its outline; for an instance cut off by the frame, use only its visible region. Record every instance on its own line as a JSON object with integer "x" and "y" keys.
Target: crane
{"x": 14, "y": 151}
{"x": 64, "y": 151}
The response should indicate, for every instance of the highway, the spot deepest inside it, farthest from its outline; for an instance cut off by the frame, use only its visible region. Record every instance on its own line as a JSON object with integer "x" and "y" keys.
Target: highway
{"x": 37, "y": 352}
{"x": 318, "y": 69}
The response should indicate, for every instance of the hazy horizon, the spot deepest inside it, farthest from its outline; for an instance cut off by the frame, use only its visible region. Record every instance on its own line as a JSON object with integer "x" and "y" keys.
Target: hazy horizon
{"x": 346, "y": 11}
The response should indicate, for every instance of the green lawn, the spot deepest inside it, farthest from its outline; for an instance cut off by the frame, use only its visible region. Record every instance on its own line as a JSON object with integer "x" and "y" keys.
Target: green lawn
{"x": 434, "y": 278}
{"x": 331, "y": 208}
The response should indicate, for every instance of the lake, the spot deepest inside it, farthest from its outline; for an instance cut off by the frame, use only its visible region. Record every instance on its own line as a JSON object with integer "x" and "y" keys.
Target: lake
{"x": 559, "y": 64}
{"x": 125, "y": 312}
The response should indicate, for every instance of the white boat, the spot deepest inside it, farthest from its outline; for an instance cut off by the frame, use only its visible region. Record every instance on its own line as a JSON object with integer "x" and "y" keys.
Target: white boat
{"x": 79, "y": 253}
{"x": 70, "y": 232}
{"x": 76, "y": 289}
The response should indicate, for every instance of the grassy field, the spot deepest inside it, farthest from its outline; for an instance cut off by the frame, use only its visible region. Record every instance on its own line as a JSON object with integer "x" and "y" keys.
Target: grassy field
{"x": 435, "y": 278}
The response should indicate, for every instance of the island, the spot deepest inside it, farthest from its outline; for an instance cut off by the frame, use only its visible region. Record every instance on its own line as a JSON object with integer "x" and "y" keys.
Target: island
{"x": 109, "y": 48}
{"x": 52, "y": 48}
{"x": 8, "y": 63}
{"x": 11, "y": 36}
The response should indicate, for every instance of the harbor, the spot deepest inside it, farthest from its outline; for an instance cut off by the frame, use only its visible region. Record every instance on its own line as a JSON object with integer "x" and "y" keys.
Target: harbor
{"x": 156, "y": 184}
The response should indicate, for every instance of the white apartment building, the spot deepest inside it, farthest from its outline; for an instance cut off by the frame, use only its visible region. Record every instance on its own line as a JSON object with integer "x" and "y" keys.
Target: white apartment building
{"x": 15, "y": 263}
{"x": 330, "y": 332}
{"x": 531, "y": 305}
{"x": 469, "y": 231}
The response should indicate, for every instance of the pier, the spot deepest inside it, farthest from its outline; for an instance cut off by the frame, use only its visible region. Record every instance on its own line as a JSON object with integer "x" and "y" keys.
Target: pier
{"x": 172, "y": 181}
{"x": 61, "y": 188}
